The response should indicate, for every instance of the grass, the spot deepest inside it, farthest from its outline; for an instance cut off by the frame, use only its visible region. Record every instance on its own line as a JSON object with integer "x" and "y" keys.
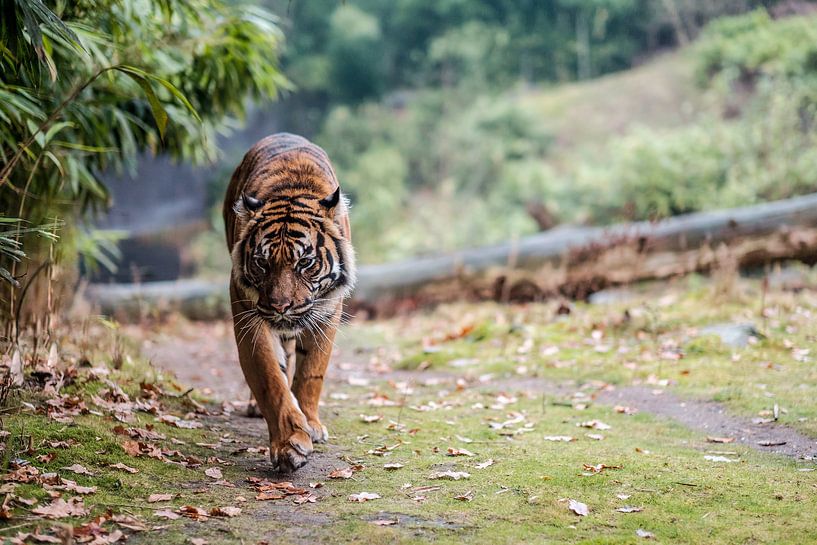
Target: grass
{"x": 661, "y": 93}
{"x": 652, "y": 337}
{"x": 685, "y": 498}
{"x": 660, "y": 466}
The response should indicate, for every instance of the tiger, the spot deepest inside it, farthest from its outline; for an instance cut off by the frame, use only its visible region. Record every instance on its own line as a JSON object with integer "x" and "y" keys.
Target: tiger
{"x": 293, "y": 264}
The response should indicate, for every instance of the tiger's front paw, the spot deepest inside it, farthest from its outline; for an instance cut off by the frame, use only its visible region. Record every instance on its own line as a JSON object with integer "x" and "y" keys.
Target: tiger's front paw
{"x": 291, "y": 453}
{"x": 317, "y": 431}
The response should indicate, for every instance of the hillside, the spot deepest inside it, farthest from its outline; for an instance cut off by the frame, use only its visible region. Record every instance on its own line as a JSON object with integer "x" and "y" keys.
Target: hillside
{"x": 660, "y": 93}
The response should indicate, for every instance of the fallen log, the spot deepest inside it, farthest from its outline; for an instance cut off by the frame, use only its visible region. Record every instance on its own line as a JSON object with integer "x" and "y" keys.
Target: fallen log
{"x": 571, "y": 261}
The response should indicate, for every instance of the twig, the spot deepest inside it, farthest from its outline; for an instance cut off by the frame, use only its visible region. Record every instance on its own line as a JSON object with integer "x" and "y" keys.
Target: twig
{"x": 183, "y": 394}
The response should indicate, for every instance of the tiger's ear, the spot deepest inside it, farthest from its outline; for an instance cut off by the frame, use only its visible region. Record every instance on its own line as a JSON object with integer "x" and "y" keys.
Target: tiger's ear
{"x": 331, "y": 202}
{"x": 247, "y": 204}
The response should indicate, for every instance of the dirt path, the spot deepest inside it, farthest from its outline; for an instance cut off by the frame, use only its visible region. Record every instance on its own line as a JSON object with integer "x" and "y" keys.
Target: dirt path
{"x": 203, "y": 355}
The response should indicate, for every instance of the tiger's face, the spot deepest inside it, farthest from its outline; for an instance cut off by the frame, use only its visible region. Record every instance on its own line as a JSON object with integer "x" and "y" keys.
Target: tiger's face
{"x": 292, "y": 261}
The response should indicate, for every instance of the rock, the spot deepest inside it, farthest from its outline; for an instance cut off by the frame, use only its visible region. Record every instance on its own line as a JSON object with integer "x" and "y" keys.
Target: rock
{"x": 733, "y": 335}
{"x": 789, "y": 278}
{"x": 611, "y": 296}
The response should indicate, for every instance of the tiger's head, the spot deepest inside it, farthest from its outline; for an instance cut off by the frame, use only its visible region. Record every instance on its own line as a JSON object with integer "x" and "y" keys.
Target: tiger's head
{"x": 292, "y": 259}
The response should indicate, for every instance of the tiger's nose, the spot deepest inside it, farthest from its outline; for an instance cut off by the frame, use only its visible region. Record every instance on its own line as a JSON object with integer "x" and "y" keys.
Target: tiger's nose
{"x": 280, "y": 306}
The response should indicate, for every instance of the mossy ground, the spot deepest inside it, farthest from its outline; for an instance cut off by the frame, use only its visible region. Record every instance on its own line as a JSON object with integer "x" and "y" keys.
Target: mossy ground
{"x": 470, "y": 356}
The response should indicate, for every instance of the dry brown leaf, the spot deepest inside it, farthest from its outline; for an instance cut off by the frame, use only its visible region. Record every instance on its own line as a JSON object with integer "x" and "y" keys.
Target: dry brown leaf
{"x": 78, "y": 469}
{"x": 214, "y": 473}
{"x": 123, "y": 467}
{"x": 459, "y": 452}
{"x": 60, "y": 508}
{"x": 166, "y": 514}
{"x": 560, "y": 438}
{"x": 305, "y": 498}
{"x": 385, "y": 522}
{"x": 468, "y": 496}
{"x": 22, "y": 537}
{"x": 193, "y": 512}
{"x": 226, "y": 511}
{"x": 392, "y": 466}
{"x": 629, "y": 509}
{"x": 720, "y": 439}
{"x": 345, "y": 473}
{"x": 269, "y": 495}
{"x": 129, "y": 522}
{"x": 153, "y": 498}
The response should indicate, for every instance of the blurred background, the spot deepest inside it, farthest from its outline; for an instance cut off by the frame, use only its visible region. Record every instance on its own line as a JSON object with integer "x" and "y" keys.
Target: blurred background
{"x": 451, "y": 123}
{"x": 459, "y": 123}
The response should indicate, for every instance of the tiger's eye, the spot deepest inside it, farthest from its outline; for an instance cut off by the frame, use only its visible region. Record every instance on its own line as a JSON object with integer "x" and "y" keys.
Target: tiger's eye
{"x": 305, "y": 262}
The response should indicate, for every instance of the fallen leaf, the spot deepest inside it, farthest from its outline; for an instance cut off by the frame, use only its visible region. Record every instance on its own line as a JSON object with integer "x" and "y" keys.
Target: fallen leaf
{"x": 468, "y": 496}
{"x": 578, "y": 507}
{"x": 364, "y": 496}
{"x": 449, "y": 475}
{"x": 153, "y": 498}
{"x": 60, "y": 508}
{"x": 71, "y": 486}
{"x": 78, "y": 469}
{"x": 213, "y": 473}
{"x": 345, "y": 473}
{"x": 166, "y": 514}
{"x": 370, "y": 419}
{"x": 594, "y": 436}
{"x": 598, "y": 468}
{"x": 594, "y": 424}
{"x": 559, "y": 438}
{"x": 644, "y": 533}
{"x": 227, "y": 511}
{"x": 305, "y": 498}
{"x": 129, "y": 522}
{"x": 486, "y": 463}
{"x": 385, "y": 522}
{"x": 198, "y": 541}
{"x": 771, "y": 443}
{"x": 22, "y": 537}
{"x": 123, "y": 467}
{"x": 459, "y": 452}
{"x": 132, "y": 448}
{"x": 720, "y": 439}
{"x": 269, "y": 495}
{"x": 719, "y": 459}
{"x": 193, "y": 512}
{"x": 392, "y": 466}
{"x": 629, "y": 509}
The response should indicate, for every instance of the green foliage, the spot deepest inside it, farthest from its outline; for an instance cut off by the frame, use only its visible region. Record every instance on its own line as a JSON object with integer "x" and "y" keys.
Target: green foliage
{"x": 87, "y": 86}
{"x": 354, "y": 55}
{"x": 753, "y": 46}
{"x": 435, "y": 170}
{"x": 408, "y": 168}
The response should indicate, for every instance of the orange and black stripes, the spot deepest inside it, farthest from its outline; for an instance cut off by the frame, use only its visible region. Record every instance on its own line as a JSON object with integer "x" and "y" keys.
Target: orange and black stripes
{"x": 287, "y": 228}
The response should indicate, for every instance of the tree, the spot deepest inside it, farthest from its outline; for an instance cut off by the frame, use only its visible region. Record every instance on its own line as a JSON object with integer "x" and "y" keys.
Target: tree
{"x": 88, "y": 85}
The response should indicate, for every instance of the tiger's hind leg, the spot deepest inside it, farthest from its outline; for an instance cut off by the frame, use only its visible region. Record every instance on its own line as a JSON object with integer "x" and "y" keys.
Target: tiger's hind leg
{"x": 314, "y": 352}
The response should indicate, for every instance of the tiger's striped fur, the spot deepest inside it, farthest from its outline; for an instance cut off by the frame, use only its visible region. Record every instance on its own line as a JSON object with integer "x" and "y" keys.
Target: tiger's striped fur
{"x": 287, "y": 228}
